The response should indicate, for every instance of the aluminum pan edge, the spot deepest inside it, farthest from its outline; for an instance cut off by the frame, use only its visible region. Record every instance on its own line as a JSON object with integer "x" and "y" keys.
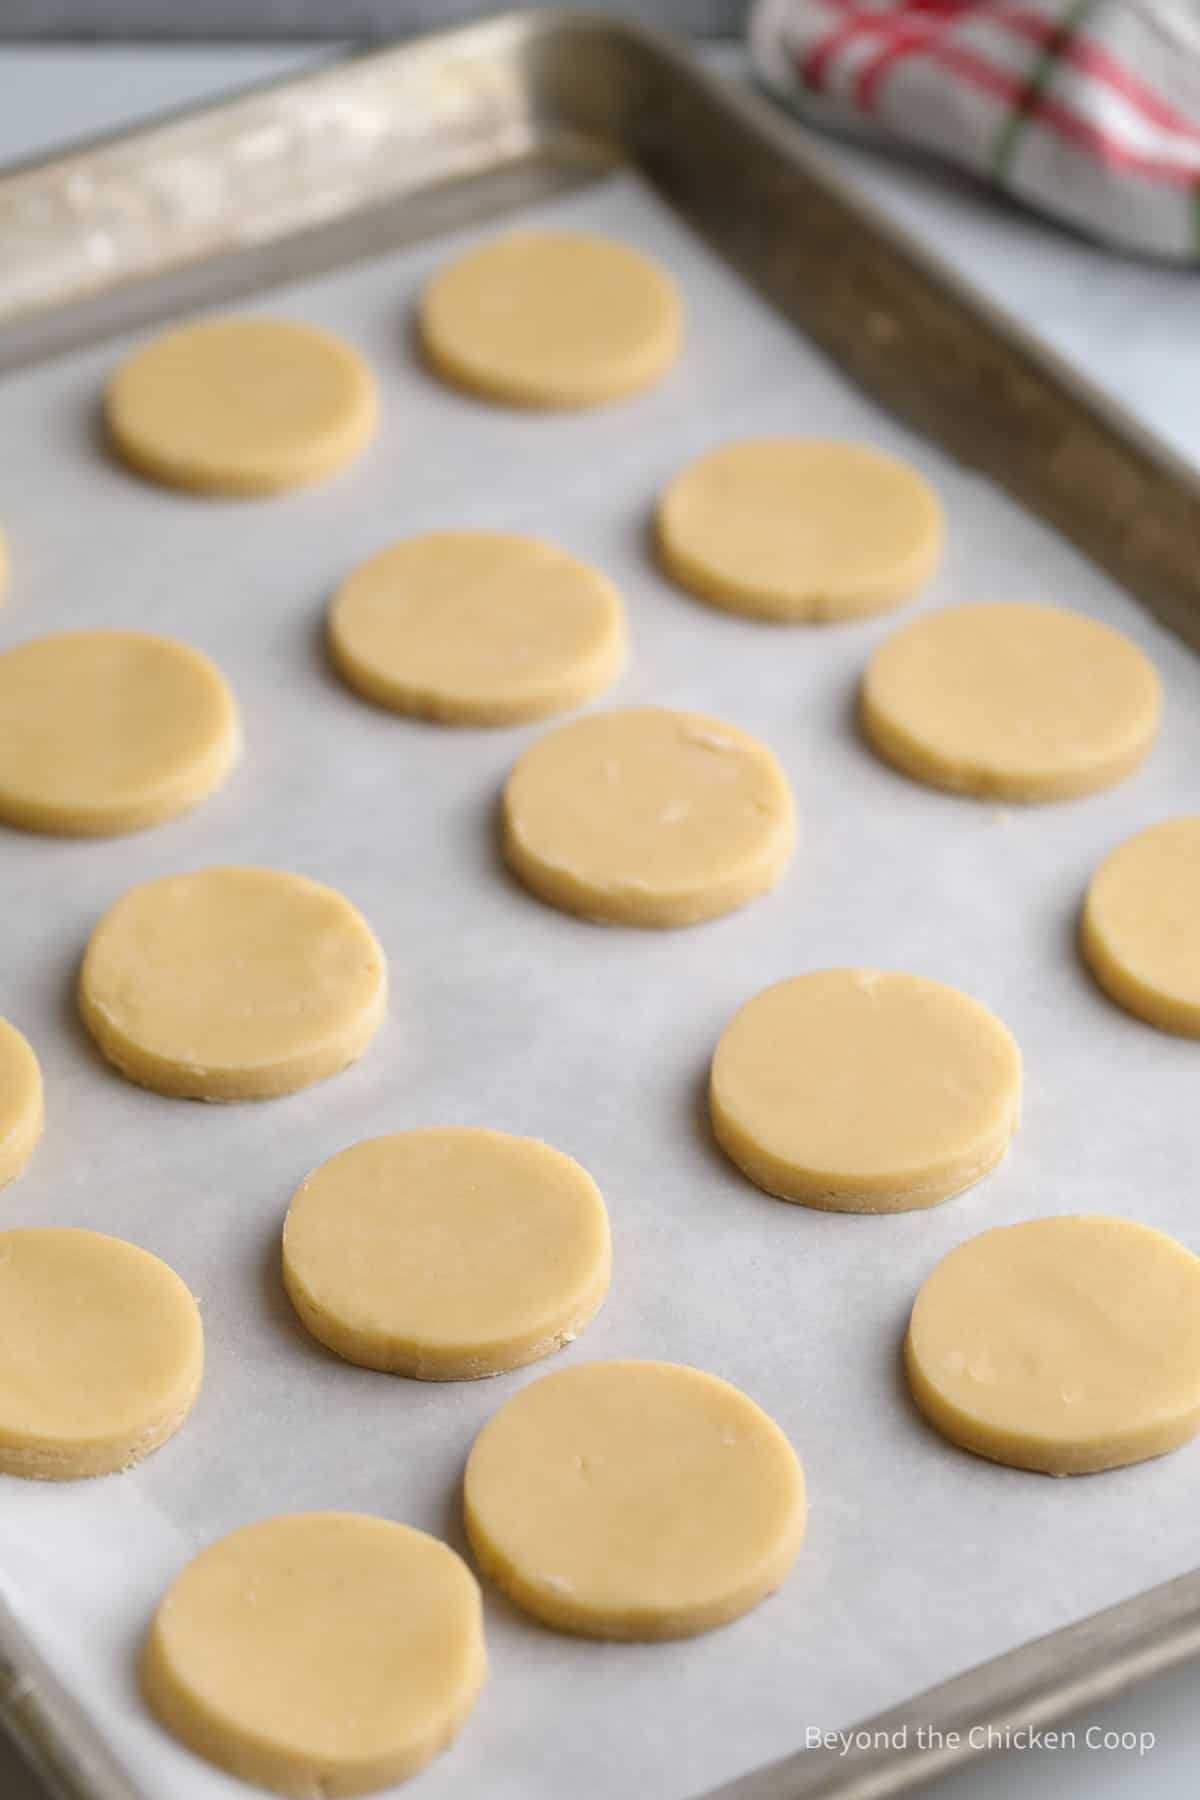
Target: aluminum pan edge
{"x": 1038, "y": 1684}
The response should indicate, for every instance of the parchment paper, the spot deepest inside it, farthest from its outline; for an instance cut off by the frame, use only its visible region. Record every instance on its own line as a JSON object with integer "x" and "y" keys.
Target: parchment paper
{"x": 920, "y": 1560}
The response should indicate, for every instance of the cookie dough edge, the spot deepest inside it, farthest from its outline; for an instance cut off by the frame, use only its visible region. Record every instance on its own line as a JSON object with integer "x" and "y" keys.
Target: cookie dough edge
{"x": 17, "y": 1148}
{"x": 556, "y": 1608}
{"x": 628, "y": 904}
{"x": 556, "y": 1611}
{"x": 117, "y": 1453}
{"x": 803, "y": 608}
{"x": 644, "y": 370}
{"x": 582, "y": 395}
{"x": 182, "y": 1712}
{"x": 823, "y": 1193}
{"x": 559, "y": 693}
{"x": 1139, "y": 999}
{"x": 878, "y": 1195}
{"x": 287, "y": 1075}
{"x": 1034, "y": 1455}
{"x": 404, "y": 1358}
{"x": 183, "y": 793}
{"x": 982, "y": 781}
{"x": 294, "y": 469}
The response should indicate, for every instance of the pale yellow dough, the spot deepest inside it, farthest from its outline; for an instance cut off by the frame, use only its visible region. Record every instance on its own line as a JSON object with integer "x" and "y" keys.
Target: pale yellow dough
{"x": 241, "y": 406}
{"x": 21, "y": 1102}
{"x": 1011, "y": 701}
{"x": 448, "y": 1253}
{"x": 800, "y": 529}
{"x": 232, "y": 983}
{"x": 103, "y": 732}
{"x": 551, "y": 319}
{"x": 101, "y": 1353}
{"x": 861, "y": 1090}
{"x": 1065, "y": 1345}
{"x": 477, "y": 628}
{"x": 318, "y": 1653}
{"x": 634, "y": 1500}
{"x": 651, "y": 816}
{"x": 1140, "y": 930}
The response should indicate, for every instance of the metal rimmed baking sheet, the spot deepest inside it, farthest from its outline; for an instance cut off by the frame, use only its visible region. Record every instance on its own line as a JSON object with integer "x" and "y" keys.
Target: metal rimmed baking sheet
{"x": 920, "y": 1561}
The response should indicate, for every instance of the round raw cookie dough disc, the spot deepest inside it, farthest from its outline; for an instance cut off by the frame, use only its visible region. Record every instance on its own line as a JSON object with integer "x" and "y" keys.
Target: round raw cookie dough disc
{"x": 448, "y": 1253}
{"x": 1011, "y": 701}
{"x": 1141, "y": 925}
{"x": 103, "y": 732}
{"x": 1066, "y": 1345}
{"x": 551, "y": 319}
{"x": 477, "y": 628}
{"x": 318, "y": 1653}
{"x": 634, "y": 1500}
{"x": 241, "y": 406}
{"x": 101, "y": 1353}
{"x": 21, "y": 1104}
{"x": 232, "y": 984}
{"x": 650, "y": 816}
{"x": 800, "y": 528}
{"x": 858, "y": 1090}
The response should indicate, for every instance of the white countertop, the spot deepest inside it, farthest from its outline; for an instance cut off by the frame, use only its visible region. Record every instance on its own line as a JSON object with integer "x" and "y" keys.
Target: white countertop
{"x": 1133, "y": 327}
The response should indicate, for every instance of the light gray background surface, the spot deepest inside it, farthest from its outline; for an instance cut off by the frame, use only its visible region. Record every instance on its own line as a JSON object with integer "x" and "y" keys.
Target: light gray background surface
{"x": 344, "y": 19}
{"x": 1132, "y": 326}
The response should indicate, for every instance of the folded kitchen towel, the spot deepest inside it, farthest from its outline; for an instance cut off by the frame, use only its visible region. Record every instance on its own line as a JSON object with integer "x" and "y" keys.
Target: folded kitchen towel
{"x": 1088, "y": 110}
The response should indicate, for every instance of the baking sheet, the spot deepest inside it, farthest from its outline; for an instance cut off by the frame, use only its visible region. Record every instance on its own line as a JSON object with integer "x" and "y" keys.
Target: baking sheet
{"x": 920, "y": 1560}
